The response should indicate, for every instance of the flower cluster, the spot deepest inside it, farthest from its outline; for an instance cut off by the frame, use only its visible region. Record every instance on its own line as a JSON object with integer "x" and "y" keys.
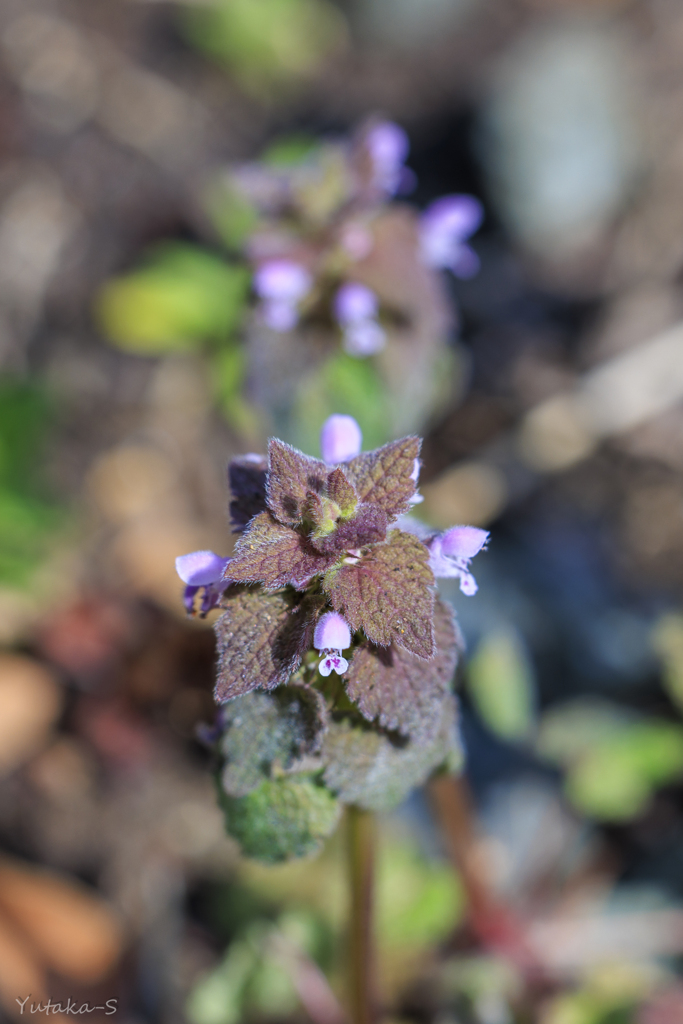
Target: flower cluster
{"x": 330, "y": 578}
{"x": 314, "y": 248}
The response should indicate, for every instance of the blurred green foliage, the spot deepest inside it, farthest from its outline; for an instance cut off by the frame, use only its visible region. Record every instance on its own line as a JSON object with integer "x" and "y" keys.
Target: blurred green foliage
{"x": 501, "y": 684}
{"x": 668, "y": 643}
{"x": 266, "y": 43}
{"x": 183, "y": 296}
{"x": 614, "y": 761}
{"x": 28, "y": 516}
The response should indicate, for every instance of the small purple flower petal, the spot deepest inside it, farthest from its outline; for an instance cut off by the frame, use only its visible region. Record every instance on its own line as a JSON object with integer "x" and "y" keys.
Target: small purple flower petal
{"x": 340, "y": 439}
{"x": 444, "y": 226}
{"x": 388, "y": 146}
{"x": 354, "y": 302}
{"x": 333, "y": 663}
{"x": 282, "y": 279}
{"x": 189, "y": 595}
{"x": 466, "y": 263}
{"x": 464, "y": 541}
{"x": 450, "y": 554}
{"x": 200, "y": 568}
{"x": 332, "y": 633}
{"x": 364, "y": 338}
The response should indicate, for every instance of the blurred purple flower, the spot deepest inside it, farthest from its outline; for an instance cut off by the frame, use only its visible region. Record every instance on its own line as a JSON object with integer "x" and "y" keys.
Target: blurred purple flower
{"x": 356, "y": 307}
{"x": 444, "y": 226}
{"x": 281, "y": 284}
{"x": 202, "y": 570}
{"x": 417, "y": 498}
{"x": 340, "y": 439}
{"x": 388, "y": 147}
{"x": 332, "y": 636}
{"x": 450, "y": 554}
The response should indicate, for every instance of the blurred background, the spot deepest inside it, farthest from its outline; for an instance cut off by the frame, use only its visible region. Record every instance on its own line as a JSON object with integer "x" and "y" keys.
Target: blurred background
{"x": 132, "y": 367}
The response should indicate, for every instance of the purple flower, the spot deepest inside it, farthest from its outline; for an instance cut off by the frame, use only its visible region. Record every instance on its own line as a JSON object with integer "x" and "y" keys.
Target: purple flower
{"x": 202, "y": 570}
{"x": 281, "y": 284}
{"x": 340, "y": 439}
{"x": 356, "y": 308}
{"x": 417, "y": 498}
{"x": 450, "y": 554}
{"x": 388, "y": 147}
{"x": 444, "y": 226}
{"x": 332, "y": 636}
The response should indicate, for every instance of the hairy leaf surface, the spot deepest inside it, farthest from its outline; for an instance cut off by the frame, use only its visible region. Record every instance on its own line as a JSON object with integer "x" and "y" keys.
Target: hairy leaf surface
{"x": 385, "y": 476}
{"x": 389, "y": 594}
{"x": 341, "y": 491}
{"x": 291, "y": 474}
{"x": 368, "y": 526}
{"x": 401, "y": 691}
{"x": 261, "y": 640}
{"x": 276, "y": 556}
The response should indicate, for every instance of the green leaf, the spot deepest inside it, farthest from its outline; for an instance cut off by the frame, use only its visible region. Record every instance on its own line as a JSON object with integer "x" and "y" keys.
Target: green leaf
{"x": 368, "y": 526}
{"x": 342, "y": 493}
{"x": 182, "y": 297}
{"x": 372, "y": 770}
{"x": 266, "y": 733}
{"x": 400, "y": 690}
{"x": 389, "y": 594}
{"x": 501, "y": 683}
{"x": 266, "y": 42}
{"x": 668, "y": 643}
{"x": 261, "y": 640}
{"x": 283, "y": 818}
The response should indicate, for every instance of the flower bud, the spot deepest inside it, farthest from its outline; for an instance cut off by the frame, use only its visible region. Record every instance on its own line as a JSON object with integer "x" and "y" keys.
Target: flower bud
{"x": 200, "y": 568}
{"x": 463, "y": 541}
{"x": 340, "y": 439}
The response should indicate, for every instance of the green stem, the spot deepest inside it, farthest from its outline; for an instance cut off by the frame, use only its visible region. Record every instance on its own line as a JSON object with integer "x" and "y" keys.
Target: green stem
{"x": 361, "y": 852}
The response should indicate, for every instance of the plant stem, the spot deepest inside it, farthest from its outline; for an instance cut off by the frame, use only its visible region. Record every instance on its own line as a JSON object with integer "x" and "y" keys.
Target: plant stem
{"x": 361, "y": 852}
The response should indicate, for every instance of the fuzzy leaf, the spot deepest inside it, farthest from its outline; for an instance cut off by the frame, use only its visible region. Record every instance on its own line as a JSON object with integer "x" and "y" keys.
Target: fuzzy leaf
{"x": 372, "y": 770}
{"x": 389, "y": 594}
{"x": 400, "y": 690}
{"x": 367, "y": 527}
{"x": 342, "y": 493}
{"x": 291, "y": 474}
{"x": 276, "y": 556}
{"x": 261, "y": 640}
{"x": 384, "y": 477}
{"x": 247, "y": 480}
{"x": 285, "y": 817}
{"x": 263, "y": 731}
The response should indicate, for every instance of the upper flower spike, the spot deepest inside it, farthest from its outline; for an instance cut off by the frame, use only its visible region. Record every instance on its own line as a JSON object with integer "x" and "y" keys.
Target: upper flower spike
{"x": 388, "y": 146}
{"x": 340, "y": 439}
{"x": 281, "y": 284}
{"x": 450, "y": 554}
{"x": 202, "y": 569}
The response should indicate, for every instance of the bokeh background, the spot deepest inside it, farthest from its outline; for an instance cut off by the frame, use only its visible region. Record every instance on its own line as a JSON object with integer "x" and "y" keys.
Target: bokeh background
{"x": 560, "y": 430}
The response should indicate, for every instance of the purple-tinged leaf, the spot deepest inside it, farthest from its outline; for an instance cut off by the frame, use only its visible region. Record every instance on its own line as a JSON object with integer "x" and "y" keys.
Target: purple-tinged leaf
{"x": 261, "y": 640}
{"x": 368, "y": 526}
{"x": 342, "y": 493}
{"x": 389, "y": 593}
{"x": 291, "y": 475}
{"x": 247, "y": 479}
{"x": 276, "y": 556}
{"x": 398, "y": 689}
{"x": 385, "y": 477}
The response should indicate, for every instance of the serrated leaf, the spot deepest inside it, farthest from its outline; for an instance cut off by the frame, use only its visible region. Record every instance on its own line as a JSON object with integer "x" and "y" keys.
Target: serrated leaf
{"x": 276, "y": 556}
{"x": 367, "y": 768}
{"x": 342, "y": 493}
{"x": 261, "y": 639}
{"x": 385, "y": 477}
{"x": 247, "y": 479}
{"x": 291, "y": 475}
{"x": 389, "y": 594}
{"x": 368, "y": 526}
{"x": 400, "y": 690}
{"x": 266, "y": 731}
